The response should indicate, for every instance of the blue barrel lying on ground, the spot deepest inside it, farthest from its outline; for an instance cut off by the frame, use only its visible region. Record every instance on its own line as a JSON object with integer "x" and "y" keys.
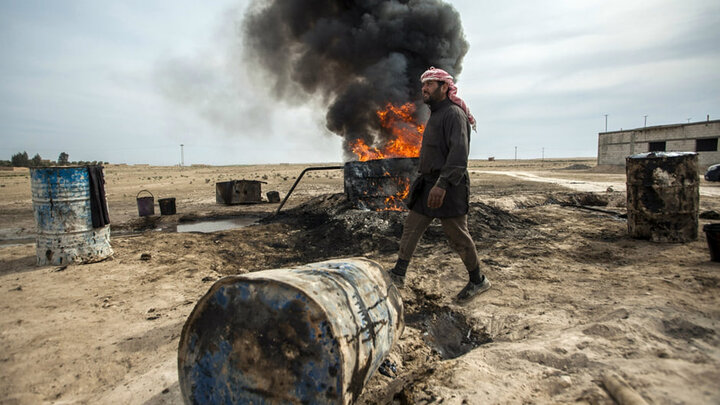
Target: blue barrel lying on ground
{"x": 312, "y": 334}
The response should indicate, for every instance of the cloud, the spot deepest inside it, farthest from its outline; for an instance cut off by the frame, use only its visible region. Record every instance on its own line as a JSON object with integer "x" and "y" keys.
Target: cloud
{"x": 545, "y": 73}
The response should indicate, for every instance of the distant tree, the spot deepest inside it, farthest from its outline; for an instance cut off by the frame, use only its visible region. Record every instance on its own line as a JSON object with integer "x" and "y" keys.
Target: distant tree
{"x": 20, "y": 160}
{"x": 36, "y": 161}
{"x": 63, "y": 159}
{"x": 5, "y": 163}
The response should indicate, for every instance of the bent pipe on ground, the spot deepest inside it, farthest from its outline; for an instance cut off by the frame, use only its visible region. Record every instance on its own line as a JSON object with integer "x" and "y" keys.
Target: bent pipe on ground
{"x": 309, "y": 169}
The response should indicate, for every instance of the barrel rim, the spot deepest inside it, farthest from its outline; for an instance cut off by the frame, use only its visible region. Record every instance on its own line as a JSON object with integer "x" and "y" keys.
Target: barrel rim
{"x": 64, "y": 167}
{"x": 375, "y": 161}
{"x": 712, "y": 227}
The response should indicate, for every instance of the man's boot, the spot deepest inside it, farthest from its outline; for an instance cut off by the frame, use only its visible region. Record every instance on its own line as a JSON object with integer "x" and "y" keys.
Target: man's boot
{"x": 478, "y": 284}
{"x": 397, "y": 273}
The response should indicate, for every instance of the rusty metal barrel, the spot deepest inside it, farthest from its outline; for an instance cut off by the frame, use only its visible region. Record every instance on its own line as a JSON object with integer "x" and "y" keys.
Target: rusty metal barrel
{"x": 61, "y": 204}
{"x": 380, "y": 184}
{"x": 312, "y": 334}
{"x": 663, "y": 196}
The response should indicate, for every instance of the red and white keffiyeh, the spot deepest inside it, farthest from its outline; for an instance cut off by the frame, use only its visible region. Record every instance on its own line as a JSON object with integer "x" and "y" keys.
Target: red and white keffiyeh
{"x": 442, "y": 76}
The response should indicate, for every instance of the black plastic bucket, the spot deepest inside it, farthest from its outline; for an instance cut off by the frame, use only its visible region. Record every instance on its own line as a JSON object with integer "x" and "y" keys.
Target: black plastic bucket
{"x": 712, "y": 233}
{"x": 146, "y": 205}
{"x": 167, "y": 206}
{"x": 273, "y": 196}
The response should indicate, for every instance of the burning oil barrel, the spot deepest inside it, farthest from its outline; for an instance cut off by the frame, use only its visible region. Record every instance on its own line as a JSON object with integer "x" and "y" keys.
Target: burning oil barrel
{"x": 63, "y": 215}
{"x": 380, "y": 184}
{"x": 312, "y": 334}
{"x": 663, "y": 196}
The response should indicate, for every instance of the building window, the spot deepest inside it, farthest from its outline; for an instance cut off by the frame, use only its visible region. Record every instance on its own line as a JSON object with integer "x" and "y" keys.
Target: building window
{"x": 656, "y": 146}
{"x": 706, "y": 145}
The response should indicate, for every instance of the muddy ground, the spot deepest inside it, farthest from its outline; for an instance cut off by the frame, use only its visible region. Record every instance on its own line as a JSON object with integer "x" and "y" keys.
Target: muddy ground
{"x": 573, "y": 298}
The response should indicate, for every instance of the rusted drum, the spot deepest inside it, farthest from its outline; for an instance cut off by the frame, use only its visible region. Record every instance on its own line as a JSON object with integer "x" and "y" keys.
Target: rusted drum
{"x": 380, "y": 184}
{"x": 312, "y": 334}
{"x": 61, "y": 204}
{"x": 663, "y": 196}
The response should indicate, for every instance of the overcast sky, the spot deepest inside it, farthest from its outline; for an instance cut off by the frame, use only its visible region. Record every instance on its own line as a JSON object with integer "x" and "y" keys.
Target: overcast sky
{"x": 129, "y": 81}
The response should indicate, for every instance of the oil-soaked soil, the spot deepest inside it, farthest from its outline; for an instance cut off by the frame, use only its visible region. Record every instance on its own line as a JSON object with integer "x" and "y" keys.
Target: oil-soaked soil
{"x": 573, "y": 296}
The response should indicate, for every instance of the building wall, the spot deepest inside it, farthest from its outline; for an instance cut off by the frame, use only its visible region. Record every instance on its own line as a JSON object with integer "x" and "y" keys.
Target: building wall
{"x": 614, "y": 147}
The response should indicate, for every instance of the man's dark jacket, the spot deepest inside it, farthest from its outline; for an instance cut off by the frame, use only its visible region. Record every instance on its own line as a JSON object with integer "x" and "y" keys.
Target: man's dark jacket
{"x": 443, "y": 162}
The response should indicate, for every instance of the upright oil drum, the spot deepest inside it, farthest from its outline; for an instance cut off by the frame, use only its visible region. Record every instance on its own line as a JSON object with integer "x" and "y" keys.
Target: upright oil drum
{"x": 380, "y": 184}
{"x": 312, "y": 334}
{"x": 61, "y": 204}
{"x": 663, "y": 196}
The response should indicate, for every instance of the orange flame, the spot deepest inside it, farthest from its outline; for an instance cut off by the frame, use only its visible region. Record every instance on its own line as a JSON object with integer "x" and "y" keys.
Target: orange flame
{"x": 405, "y": 141}
{"x": 395, "y": 202}
{"x": 406, "y": 135}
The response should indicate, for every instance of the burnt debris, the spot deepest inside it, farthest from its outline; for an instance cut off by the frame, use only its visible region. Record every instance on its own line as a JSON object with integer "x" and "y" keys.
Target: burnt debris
{"x": 358, "y": 231}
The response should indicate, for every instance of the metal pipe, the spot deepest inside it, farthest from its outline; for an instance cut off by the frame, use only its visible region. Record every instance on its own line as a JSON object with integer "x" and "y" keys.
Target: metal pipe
{"x": 309, "y": 169}
{"x": 311, "y": 334}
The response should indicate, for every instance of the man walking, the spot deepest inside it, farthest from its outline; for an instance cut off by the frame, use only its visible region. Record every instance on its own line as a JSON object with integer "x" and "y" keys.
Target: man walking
{"x": 443, "y": 187}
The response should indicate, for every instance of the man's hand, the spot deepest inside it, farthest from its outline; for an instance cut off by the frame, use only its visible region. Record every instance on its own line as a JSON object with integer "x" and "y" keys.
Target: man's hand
{"x": 436, "y": 197}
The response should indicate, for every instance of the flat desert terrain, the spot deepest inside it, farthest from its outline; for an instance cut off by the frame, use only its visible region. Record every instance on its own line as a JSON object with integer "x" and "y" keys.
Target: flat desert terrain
{"x": 577, "y": 307}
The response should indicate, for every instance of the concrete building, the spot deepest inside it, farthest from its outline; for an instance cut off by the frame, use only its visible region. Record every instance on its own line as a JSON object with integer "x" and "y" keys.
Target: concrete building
{"x": 701, "y": 137}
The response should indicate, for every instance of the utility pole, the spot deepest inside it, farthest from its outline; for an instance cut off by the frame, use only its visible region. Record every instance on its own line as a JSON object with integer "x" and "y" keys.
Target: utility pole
{"x": 606, "y": 122}
{"x": 182, "y": 156}
{"x": 516, "y": 153}
{"x": 689, "y": 120}
{"x": 645, "y": 124}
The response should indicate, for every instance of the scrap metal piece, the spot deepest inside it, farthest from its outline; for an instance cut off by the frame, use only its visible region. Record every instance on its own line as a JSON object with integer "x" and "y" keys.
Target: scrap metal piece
{"x": 309, "y": 169}
{"x": 238, "y": 192}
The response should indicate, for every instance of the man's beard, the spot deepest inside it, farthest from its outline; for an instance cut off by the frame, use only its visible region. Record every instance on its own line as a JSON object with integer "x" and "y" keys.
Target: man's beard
{"x": 434, "y": 97}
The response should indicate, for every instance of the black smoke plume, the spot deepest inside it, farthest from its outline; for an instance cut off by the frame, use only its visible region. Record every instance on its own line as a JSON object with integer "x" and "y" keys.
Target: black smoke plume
{"x": 355, "y": 55}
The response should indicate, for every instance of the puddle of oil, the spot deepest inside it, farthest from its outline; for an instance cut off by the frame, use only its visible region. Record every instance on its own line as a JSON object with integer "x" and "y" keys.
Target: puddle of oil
{"x": 215, "y": 225}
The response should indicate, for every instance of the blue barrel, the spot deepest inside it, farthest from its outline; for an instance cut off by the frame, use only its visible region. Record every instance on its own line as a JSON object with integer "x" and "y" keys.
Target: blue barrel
{"x": 61, "y": 203}
{"x": 312, "y": 334}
